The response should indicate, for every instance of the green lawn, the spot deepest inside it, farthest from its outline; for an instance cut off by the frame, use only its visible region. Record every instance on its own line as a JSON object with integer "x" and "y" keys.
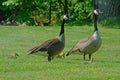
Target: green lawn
{"x": 18, "y": 40}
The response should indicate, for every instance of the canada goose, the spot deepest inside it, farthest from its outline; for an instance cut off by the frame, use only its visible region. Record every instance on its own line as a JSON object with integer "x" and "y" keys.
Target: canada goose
{"x": 90, "y": 44}
{"x": 13, "y": 56}
{"x": 52, "y": 46}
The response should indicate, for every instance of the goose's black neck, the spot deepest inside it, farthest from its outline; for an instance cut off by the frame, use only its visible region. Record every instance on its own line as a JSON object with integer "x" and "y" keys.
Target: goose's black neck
{"x": 95, "y": 22}
{"x": 62, "y": 27}
{"x": 95, "y": 17}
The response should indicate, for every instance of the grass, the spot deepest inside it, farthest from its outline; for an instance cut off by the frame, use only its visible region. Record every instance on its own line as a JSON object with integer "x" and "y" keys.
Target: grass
{"x": 111, "y": 22}
{"x": 18, "y": 40}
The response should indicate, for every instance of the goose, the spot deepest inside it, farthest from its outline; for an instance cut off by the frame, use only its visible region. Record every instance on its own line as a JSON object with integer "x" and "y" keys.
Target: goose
{"x": 90, "y": 44}
{"x": 54, "y": 46}
{"x": 13, "y": 56}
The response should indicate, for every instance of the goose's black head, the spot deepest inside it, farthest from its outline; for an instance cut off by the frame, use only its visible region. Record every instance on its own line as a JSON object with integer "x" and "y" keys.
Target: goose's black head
{"x": 97, "y": 12}
{"x": 66, "y": 17}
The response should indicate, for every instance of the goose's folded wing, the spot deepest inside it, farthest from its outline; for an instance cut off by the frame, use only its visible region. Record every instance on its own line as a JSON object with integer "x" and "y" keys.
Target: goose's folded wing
{"x": 47, "y": 44}
{"x": 42, "y": 47}
{"x": 81, "y": 42}
{"x": 84, "y": 40}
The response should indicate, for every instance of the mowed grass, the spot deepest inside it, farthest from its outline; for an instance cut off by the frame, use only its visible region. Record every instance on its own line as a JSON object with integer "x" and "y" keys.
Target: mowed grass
{"x": 13, "y": 39}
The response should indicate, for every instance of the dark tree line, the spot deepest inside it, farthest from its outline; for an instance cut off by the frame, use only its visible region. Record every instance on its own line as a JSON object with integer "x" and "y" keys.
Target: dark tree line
{"x": 46, "y": 12}
{"x": 42, "y": 12}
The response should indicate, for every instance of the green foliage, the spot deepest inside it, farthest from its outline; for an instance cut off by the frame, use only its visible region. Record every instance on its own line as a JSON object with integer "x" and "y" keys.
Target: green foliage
{"x": 10, "y": 2}
{"x": 37, "y": 12}
{"x": 20, "y": 17}
{"x": 82, "y": 10}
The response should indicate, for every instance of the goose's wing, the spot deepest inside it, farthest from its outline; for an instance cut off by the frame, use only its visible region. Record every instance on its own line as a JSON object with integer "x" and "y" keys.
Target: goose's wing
{"x": 54, "y": 42}
{"x": 43, "y": 47}
{"x": 83, "y": 41}
{"x": 77, "y": 46}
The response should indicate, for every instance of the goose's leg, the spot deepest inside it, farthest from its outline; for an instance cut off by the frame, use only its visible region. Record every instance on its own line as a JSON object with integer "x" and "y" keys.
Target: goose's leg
{"x": 52, "y": 57}
{"x": 89, "y": 56}
{"x": 83, "y": 56}
{"x": 49, "y": 58}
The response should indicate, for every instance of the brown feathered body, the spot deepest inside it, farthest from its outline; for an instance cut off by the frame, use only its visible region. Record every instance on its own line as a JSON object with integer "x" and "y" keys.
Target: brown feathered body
{"x": 54, "y": 46}
{"x": 90, "y": 44}
{"x": 13, "y": 56}
{"x": 87, "y": 45}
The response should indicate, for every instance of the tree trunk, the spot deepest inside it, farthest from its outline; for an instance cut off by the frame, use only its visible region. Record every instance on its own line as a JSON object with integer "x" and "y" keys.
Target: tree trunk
{"x": 49, "y": 12}
{"x": 65, "y": 5}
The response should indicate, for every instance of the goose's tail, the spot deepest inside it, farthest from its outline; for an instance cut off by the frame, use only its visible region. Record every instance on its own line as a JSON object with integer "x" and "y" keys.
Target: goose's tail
{"x": 36, "y": 49}
{"x": 73, "y": 49}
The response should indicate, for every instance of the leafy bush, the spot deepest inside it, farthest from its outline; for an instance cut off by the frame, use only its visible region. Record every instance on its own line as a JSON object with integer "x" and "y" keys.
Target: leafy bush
{"x": 82, "y": 10}
{"x": 37, "y": 12}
